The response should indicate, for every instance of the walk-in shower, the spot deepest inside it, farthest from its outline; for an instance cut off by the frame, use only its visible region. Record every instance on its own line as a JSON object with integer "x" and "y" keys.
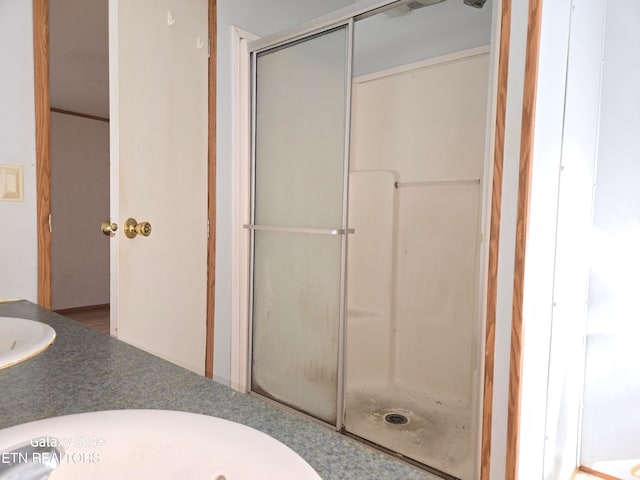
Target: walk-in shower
{"x": 413, "y": 329}
{"x": 368, "y": 167}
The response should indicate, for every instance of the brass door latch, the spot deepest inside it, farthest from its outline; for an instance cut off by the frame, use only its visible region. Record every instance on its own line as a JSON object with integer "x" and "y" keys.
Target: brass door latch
{"x": 109, "y": 229}
{"x": 133, "y": 228}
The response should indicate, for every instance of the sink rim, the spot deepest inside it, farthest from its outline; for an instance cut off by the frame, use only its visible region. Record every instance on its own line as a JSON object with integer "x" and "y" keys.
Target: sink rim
{"x": 227, "y": 442}
{"x": 44, "y": 336}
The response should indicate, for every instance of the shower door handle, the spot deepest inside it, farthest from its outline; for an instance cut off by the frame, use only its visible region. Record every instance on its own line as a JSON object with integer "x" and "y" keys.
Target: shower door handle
{"x": 320, "y": 231}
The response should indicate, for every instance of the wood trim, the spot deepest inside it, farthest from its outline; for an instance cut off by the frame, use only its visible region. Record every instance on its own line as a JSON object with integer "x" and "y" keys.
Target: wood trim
{"x": 524, "y": 184}
{"x": 494, "y": 238}
{"x": 211, "y": 214}
{"x": 43, "y": 159}
{"x": 77, "y": 114}
{"x": 87, "y": 308}
{"x": 596, "y": 473}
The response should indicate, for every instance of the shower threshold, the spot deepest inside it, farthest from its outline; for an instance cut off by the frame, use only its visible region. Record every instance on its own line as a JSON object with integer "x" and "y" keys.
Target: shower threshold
{"x": 347, "y": 433}
{"x": 399, "y": 456}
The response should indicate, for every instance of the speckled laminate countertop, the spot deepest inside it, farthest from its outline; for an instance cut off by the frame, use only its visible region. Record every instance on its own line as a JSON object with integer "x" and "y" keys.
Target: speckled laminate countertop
{"x": 86, "y": 371}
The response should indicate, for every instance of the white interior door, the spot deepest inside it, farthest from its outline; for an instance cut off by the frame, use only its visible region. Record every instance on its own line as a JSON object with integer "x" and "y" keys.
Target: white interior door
{"x": 158, "y": 94}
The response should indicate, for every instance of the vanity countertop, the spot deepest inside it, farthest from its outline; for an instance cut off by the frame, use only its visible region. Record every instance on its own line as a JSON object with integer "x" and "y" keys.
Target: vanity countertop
{"x": 87, "y": 371}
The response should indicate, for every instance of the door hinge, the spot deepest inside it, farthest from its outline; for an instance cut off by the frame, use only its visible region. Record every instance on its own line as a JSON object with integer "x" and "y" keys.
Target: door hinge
{"x": 208, "y": 47}
{"x": 208, "y": 227}
{"x": 50, "y": 229}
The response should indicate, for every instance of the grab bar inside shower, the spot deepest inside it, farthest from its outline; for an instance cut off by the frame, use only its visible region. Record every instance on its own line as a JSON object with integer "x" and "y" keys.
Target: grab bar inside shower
{"x": 437, "y": 183}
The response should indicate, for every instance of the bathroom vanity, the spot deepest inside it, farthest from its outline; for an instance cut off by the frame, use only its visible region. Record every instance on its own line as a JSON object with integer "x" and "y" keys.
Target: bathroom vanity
{"x": 86, "y": 371}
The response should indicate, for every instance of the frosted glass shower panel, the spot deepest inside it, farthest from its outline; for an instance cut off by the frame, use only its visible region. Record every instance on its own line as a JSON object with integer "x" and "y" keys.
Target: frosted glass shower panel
{"x": 299, "y": 180}
{"x": 300, "y": 132}
{"x": 295, "y": 320}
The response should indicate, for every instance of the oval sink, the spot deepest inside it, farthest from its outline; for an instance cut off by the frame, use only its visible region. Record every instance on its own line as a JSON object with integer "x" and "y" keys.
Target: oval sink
{"x": 21, "y": 339}
{"x": 156, "y": 444}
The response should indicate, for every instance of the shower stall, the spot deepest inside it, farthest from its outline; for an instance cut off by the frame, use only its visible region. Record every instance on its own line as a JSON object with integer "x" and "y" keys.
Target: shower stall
{"x": 367, "y": 194}
{"x": 413, "y": 329}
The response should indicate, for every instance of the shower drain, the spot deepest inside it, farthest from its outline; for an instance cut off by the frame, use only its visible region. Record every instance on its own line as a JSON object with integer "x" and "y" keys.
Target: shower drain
{"x": 396, "y": 419}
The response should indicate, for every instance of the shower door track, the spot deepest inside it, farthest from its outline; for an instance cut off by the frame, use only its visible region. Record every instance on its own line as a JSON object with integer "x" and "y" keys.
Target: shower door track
{"x": 294, "y": 410}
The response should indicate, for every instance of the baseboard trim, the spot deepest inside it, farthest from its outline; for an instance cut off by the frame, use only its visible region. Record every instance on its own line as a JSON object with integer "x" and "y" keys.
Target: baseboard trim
{"x": 596, "y": 473}
{"x": 87, "y": 308}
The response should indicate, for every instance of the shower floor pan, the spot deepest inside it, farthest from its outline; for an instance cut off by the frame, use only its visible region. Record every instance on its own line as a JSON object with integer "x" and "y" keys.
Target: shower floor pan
{"x": 436, "y": 433}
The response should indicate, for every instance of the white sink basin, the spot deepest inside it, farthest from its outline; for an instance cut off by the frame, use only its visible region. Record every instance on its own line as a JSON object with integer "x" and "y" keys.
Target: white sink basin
{"x": 21, "y": 339}
{"x": 153, "y": 444}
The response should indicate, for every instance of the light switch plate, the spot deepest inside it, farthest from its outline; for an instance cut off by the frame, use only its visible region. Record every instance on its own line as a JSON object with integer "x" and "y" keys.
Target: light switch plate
{"x": 11, "y": 183}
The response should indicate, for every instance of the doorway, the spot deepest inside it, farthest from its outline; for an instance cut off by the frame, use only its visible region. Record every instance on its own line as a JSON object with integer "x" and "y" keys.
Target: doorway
{"x": 79, "y": 86}
{"x": 158, "y": 291}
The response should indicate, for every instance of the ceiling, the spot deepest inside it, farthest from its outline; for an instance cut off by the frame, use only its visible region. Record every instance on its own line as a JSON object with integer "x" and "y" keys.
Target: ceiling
{"x": 79, "y": 43}
{"x": 79, "y": 56}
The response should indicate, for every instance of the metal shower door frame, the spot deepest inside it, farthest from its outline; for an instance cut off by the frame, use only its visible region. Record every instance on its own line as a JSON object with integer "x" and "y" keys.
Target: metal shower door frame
{"x": 336, "y": 19}
{"x": 255, "y": 48}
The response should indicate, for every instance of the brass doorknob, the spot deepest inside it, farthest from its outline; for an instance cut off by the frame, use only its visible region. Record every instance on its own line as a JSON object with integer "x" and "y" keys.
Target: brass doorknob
{"x": 133, "y": 228}
{"x": 109, "y": 229}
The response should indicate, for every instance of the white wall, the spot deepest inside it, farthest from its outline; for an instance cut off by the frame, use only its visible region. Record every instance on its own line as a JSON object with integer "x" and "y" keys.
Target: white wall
{"x": 574, "y": 219}
{"x": 79, "y": 202}
{"x": 611, "y": 417}
{"x": 541, "y": 244}
{"x": 557, "y": 270}
{"x": 18, "y": 244}
{"x": 260, "y": 18}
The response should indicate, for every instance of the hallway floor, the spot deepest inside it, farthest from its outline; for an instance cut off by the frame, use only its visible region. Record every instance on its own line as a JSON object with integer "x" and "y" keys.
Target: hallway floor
{"x": 93, "y": 317}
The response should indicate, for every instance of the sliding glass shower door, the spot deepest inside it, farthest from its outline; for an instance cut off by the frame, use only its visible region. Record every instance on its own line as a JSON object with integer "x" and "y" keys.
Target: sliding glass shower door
{"x": 300, "y": 120}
